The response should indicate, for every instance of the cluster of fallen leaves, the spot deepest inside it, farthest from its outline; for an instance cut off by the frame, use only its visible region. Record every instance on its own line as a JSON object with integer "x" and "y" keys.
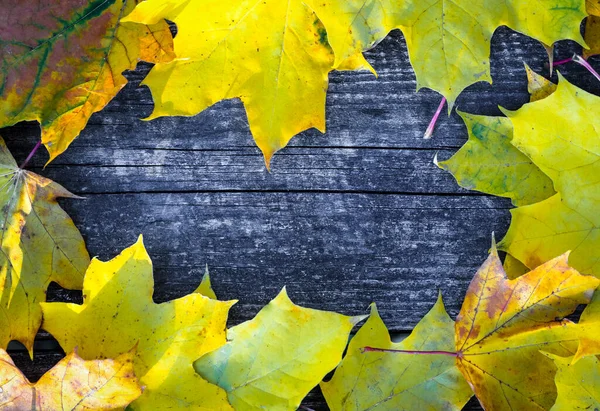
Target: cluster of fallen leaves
{"x": 545, "y": 157}
{"x": 63, "y": 61}
{"x": 510, "y": 345}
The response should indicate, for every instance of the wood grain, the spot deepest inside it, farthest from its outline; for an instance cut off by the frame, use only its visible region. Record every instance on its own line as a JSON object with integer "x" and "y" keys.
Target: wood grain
{"x": 357, "y": 215}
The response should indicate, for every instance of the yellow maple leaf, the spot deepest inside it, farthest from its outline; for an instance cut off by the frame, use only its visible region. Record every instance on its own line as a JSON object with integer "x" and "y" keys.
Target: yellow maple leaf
{"x": 504, "y": 324}
{"x": 118, "y": 312}
{"x": 274, "y": 360}
{"x": 62, "y": 62}
{"x": 72, "y": 384}
{"x": 380, "y": 381}
{"x": 39, "y": 243}
{"x": 274, "y": 55}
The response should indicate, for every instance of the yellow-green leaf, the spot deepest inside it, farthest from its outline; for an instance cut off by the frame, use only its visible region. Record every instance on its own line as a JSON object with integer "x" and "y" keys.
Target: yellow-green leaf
{"x": 449, "y": 41}
{"x": 560, "y": 135}
{"x": 72, "y": 384}
{"x": 503, "y": 324}
{"x": 118, "y": 312}
{"x": 274, "y": 360}
{"x": 489, "y": 163}
{"x": 578, "y": 384}
{"x": 399, "y": 381}
{"x": 40, "y": 244}
{"x": 62, "y": 61}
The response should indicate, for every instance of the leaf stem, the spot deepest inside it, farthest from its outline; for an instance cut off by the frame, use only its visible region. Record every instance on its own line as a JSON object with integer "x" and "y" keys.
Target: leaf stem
{"x": 450, "y": 353}
{"x": 580, "y": 60}
{"x": 561, "y": 62}
{"x": 429, "y": 131}
{"x": 30, "y": 156}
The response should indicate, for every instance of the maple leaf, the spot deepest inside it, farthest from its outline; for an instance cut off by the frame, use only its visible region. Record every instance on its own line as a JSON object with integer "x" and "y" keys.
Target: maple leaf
{"x": 274, "y": 55}
{"x": 592, "y": 29}
{"x": 559, "y": 134}
{"x": 72, "y": 384}
{"x": 503, "y": 324}
{"x": 62, "y": 61}
{"x": 449, "y": 42}
{"x": 40, "y": 244}
{"x": 118, "y": 312}
{"x": 274, "y": 360}
{"x": 555, "y": 136}
{"x": 388, "y": 381}
{"x": 577, "y": 383}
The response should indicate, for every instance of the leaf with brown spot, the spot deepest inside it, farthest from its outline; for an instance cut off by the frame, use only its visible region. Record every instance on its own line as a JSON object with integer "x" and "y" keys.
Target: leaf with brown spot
{"x": 62, "y": 61}
{"x": 504, "y": 324}
{"x": 39, "y": 244}
{"x": 72, "y": 384}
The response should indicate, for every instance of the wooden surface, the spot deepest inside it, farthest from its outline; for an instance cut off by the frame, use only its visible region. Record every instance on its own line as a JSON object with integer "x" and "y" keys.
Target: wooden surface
{"x": 357, "y": 215}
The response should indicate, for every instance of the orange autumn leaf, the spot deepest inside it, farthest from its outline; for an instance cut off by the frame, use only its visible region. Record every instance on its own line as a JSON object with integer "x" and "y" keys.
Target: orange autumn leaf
{"x": 504, "y": 324}
{"x": 72, "y": 384}
{"x": 63, "y": 61}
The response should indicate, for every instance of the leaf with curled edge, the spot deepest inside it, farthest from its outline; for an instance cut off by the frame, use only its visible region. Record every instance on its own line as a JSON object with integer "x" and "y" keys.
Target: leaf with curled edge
{"x": 118, "y": 311}
{"x": 72, "y": 384}
{"x": 39, "y": 244}
{"x": 62, "y": 61}
{"x": 504, "y": 324}
{"x": 274, "y": 360}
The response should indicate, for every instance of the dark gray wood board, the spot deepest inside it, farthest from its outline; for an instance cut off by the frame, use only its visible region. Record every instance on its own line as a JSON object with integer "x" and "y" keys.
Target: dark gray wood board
{"x": 355, "y": 216}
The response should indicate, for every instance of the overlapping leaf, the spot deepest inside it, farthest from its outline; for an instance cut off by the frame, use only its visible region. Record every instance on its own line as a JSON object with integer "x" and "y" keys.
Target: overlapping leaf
{"x": 390, "y": 381}
{"x": 577, "y": 383}
{"x": 449, "y": 42}
{"x": 62, "y": 61}
{"x": 274, "y": 360}
{"x": 589, "y": 330}
{"x": 503, "y": 324}
{"x": 39, "y": 244}
{"x": 275, "y": 55}
{"x": 118, "y": 312}
{"x": 592, "y": 29}
{"x": 556, "y": 136}
{"x": 560, "y": 135}
{"x": 72, "y": 384}
{"x": 488, "y": 162}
